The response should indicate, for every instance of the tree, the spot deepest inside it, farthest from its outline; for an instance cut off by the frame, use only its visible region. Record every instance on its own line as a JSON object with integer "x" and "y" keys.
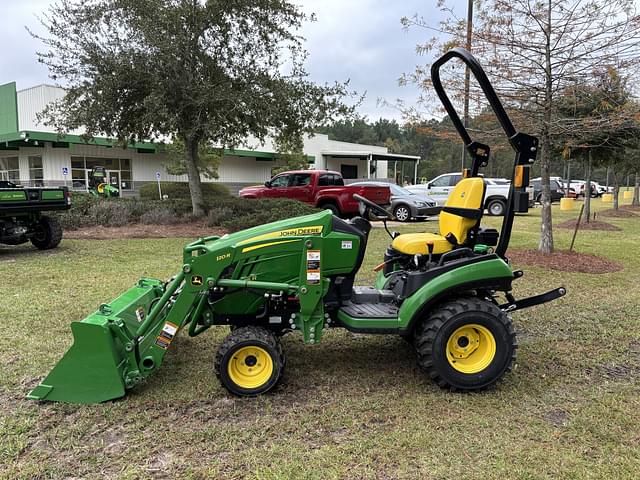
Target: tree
{"x": 535, "y": 49}
{"x": 607, "y": 115}
{"x": 208, "y": 159}
{"x": 204, "y": 72}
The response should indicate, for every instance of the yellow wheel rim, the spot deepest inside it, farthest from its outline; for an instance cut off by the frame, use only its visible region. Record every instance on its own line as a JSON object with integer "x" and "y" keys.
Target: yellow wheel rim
{"x": 471, "y": 348}
{"x": 250, "y": 367}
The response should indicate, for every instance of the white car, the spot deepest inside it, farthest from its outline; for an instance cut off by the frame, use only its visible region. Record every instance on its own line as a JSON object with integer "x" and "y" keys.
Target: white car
{"x": 596, "y": 188}
{"x": 495, "y": 197}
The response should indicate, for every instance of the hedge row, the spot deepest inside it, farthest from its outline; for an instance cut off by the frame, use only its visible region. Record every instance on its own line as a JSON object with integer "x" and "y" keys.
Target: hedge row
{"x": 231, "y": 213}
{"x": 180, "y": 190}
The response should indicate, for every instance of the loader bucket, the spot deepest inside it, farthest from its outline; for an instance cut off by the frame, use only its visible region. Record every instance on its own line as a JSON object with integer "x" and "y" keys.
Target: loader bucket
{"x": 93, "y": 370}
{"x": 90, "y": 371}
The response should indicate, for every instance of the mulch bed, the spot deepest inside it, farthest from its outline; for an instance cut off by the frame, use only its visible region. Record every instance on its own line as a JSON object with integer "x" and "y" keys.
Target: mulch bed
{"x": 633, "y": 208}
{"x": 184, "y": 230}
{"x": 565, "y": 261}
{"x": 618, "y": 213}
{"x": 592, "y": 225}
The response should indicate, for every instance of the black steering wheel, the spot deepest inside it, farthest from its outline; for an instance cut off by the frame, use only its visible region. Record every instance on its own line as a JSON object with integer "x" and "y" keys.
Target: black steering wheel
{"x": 375, "y": 209}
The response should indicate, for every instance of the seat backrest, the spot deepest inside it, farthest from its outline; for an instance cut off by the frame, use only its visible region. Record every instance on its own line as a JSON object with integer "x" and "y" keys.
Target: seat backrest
{"x": 468, "y": 193}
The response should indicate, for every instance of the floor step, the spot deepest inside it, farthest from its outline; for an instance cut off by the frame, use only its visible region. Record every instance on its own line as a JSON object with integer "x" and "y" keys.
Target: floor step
{"x": 370, "y": 310}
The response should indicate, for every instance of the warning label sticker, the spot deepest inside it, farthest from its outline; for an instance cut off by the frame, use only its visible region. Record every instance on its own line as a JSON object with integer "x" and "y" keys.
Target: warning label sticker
{"x": 313, "y": 266}
{"x": 140, "y": 314}
{"x": 166, "y": 335}
{"x": 313, "y": 277}
{"x": 347, "y": 245}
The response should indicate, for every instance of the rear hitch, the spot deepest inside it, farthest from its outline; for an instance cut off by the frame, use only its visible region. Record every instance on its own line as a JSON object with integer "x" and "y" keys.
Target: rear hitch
{"x": 512, "y": 305}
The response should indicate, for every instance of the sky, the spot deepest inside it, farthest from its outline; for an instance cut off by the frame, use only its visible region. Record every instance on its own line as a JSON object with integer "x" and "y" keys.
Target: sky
{"x": 357, "y": 40}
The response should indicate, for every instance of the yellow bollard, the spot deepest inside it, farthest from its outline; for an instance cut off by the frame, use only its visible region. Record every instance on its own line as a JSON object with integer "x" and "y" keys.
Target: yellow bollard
{"x": 607, "y": 198}
{"x": 628, "y": 195}
{"x": 567, "y": 204}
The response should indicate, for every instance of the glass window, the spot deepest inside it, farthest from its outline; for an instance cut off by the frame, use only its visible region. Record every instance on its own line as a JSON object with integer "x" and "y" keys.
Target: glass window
{"x": 300, "y": 180}
{"x": 399, "y": 191}
{"x": 10, "y": 169}
{"x": 280, "y": 181}
{"x": 36, "y": 176}
{"x": 125, "y": 164}
{"x": 455, "y": 179}
{"x": 78, "y": 178}
{"x": 323, "y": 181}
{"x": 441, "y": 181}
{"x": 77, "y": 162}
{"x": 338, "y": 181}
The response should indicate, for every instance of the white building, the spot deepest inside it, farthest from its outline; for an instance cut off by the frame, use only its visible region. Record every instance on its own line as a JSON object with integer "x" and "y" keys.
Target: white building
{"x": 34, "y": 154}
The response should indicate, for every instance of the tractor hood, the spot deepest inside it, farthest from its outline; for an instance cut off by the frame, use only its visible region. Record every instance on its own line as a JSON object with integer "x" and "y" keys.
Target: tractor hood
{"x": 263, "y": 235}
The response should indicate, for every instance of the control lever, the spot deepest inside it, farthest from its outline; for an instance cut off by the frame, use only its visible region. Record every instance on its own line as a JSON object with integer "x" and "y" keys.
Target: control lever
{"x": 430, "y": 249}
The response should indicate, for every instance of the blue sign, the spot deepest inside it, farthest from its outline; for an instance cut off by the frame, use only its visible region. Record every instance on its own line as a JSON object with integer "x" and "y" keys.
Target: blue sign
{"x": 65, "y": 171}
{"x": 157, "y": 175}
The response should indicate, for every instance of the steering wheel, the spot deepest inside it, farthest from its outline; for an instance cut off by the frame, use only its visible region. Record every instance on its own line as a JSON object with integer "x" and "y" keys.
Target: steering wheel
{"x": 375, "y": 209}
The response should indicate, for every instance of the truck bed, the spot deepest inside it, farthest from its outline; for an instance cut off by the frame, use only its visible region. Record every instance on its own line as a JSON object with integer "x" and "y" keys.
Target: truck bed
{"x": 15, "y": 200}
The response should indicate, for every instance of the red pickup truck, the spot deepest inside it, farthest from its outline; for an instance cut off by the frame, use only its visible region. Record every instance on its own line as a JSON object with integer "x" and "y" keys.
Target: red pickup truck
{"x": 320, "y": 188}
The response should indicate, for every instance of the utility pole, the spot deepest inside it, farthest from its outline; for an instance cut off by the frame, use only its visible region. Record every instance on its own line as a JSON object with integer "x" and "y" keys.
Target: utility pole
{"x": 467, "y": 77}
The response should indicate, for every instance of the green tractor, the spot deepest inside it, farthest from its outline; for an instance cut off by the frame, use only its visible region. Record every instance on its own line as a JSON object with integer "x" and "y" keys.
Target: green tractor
{"x": 99, "y": 186}
{"x": 449, "y": 293}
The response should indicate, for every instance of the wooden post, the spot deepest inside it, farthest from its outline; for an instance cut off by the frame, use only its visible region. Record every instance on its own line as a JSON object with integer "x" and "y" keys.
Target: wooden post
{"x": 575, "y": 232}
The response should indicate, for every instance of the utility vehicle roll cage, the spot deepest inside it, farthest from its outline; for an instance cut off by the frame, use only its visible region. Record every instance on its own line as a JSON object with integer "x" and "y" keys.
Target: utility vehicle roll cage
{"x": 524, "y": 145}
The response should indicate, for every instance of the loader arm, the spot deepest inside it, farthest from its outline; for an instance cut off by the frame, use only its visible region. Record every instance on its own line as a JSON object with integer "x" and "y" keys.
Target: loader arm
{"x": 125, "y": 341}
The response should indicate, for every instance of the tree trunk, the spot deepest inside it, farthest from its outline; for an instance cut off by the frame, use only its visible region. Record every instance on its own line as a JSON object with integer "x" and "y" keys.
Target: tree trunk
{"x": 616, "y": 190}
{"x": 195, "y": 185}
{"x": 587, "y": 190}
{"x": 636, "y": 193}
{"x": 546, "y": 227}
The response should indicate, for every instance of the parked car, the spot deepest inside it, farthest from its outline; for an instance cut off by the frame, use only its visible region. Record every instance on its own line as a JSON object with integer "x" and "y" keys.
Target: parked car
{"x": 495, "y": 197}
{"x": 406, "y": 205}
{"x": 596, "y": 188}
{"x": 557, "y": 190}
{"x": 320, "y": 188}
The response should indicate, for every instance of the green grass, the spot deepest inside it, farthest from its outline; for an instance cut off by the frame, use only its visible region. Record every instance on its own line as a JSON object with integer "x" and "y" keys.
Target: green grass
{"x": 354, "y": 406}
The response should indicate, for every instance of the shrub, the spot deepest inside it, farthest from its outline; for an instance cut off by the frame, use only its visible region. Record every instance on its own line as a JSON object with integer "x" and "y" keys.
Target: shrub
{"x": 180, "y": 190}
{"x": 231, "y": 213}
{"x": 239, "y": 213}
{"x": 159, "y": 216}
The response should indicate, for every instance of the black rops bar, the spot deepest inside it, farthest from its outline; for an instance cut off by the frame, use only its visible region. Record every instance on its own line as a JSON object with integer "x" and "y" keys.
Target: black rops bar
{"x": 525, "y": 146}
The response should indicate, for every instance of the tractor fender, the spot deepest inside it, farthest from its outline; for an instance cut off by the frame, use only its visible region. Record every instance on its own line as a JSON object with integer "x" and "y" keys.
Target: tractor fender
{"x": 490, "y": 274}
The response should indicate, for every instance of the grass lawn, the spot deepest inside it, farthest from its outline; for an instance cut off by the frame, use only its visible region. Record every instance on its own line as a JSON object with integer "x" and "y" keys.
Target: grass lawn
{"x": 355, "y": 406}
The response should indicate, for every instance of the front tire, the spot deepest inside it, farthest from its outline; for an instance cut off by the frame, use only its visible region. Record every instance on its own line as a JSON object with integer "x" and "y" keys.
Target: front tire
{"x": 466, "y": 344}
{"x": 402, "y": 213}
{"x": 334, "y": 209}
{"x": 249, "y": 361}
{"x": 48, "y": 233}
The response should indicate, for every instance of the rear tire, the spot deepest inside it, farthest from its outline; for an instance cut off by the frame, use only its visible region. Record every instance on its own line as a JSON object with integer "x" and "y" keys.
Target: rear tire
{"x": 48, "y": 233}
{"x": 249, "y": 361}
{"x": 496, "y": 207}
{"x": 402, "y": 213}
{"x": 466, "y": 344}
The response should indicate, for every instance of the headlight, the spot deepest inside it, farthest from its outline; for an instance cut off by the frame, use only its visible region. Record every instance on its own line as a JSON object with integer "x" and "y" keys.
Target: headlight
{"x": 421, "y": 204}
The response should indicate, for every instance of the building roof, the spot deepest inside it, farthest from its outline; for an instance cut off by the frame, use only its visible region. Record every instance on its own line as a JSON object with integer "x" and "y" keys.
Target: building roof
{"x": 369, "y": 153}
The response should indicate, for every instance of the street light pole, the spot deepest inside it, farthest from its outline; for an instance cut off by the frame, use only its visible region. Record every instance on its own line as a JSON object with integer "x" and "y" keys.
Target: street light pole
{"x": 467, "y": 76}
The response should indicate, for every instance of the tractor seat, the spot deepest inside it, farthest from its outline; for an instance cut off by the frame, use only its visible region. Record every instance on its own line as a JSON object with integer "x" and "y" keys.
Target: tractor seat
{"x": 461, "y": 213}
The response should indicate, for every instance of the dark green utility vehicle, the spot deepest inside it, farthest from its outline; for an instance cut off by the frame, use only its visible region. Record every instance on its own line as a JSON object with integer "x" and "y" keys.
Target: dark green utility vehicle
{"x": 21, "y": 218}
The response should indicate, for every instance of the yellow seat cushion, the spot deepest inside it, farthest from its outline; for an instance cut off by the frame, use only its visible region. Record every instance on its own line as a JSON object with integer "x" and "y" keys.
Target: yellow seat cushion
{"x": 414, "y": 243}
{"x": 468, "y": 193}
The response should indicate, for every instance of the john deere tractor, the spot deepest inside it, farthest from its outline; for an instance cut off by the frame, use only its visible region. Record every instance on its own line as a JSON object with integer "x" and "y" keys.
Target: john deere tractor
{"x": 449, "y": 293}
{"x": 99, "y": 186}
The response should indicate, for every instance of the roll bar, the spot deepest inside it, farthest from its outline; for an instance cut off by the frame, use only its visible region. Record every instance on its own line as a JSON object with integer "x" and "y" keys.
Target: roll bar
{"x": 525, "y": 146}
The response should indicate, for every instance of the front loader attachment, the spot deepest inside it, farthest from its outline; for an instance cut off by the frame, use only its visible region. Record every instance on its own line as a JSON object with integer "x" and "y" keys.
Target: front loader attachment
{"x": 90, "y": 371}
{"x": 104, "y": 357}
